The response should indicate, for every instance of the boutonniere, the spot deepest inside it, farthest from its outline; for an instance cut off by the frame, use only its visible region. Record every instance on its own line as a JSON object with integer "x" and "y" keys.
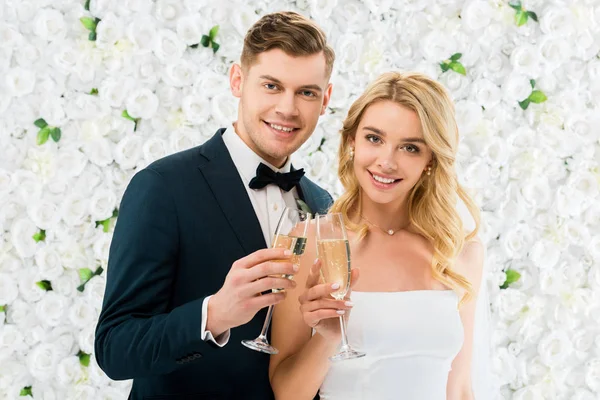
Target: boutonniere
{"x": 303, "y": 206}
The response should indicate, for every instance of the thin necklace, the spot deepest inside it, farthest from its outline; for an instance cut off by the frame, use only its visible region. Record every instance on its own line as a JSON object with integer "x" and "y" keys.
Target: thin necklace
{"x": 388, "y": 231}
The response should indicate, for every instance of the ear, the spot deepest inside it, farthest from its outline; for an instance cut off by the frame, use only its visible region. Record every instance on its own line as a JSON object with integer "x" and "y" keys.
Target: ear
{"x": 236, "y": 80}
{"x": 326, "y": 98}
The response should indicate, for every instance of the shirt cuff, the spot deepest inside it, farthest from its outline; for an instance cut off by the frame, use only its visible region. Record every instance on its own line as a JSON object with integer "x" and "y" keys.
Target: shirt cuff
{"x": 207, "y": 336}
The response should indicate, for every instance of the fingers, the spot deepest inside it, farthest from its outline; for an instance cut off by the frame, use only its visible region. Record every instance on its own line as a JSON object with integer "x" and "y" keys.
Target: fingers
{"x": 314, "y": 275}
{"x": 270, "y": 268}
{"x": 323, "y": 290}
{"x": 322, "y": 304}
{"x": 266, "y": 300}
{"x": 312, "y": 319}
{"x": 261, "y": 256}
{"x": 266, "y": 284}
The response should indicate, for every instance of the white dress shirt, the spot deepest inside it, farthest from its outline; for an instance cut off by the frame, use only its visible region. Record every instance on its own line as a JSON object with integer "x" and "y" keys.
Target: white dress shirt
{"x": 268, "y": 204}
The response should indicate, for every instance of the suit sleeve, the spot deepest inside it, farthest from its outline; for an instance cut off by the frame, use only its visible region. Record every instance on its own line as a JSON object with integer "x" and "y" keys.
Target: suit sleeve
{"x": 137, "y": 334}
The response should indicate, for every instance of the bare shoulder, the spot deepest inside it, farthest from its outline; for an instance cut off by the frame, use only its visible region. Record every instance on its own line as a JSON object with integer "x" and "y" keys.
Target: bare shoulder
{"x": 470, "y": 261}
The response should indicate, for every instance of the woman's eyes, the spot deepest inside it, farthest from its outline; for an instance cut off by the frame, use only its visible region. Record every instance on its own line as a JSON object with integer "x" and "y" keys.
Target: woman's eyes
{"x": 410, "y": 148}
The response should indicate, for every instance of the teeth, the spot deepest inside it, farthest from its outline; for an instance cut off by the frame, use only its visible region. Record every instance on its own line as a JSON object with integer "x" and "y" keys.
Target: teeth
{"x": 382, "y": 180}
{"x": 281, "y": 128}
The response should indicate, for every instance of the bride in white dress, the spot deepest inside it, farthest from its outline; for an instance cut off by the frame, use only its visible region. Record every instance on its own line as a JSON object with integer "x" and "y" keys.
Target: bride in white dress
{"x": 413, "y": 309}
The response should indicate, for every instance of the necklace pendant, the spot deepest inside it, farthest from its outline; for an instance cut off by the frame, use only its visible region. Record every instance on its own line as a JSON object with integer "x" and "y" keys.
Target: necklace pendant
{"x": 390, "y": 232}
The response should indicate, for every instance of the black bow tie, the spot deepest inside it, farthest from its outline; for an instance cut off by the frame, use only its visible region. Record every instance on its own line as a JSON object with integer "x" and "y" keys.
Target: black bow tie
{"x": 265, "y": 176}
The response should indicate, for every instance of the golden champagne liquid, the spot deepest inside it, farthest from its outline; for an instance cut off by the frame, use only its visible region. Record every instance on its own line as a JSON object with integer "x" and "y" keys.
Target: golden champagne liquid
{"x": 293, "y": 243}
{"x": 335, "y": 267}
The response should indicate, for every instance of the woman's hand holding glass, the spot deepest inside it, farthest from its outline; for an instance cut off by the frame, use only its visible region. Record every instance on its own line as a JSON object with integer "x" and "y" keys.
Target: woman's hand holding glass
{"x": 319, "y": 309}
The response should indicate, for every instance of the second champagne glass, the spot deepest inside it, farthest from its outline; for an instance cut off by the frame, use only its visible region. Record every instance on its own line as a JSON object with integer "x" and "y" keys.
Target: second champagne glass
{"x": 334, "y": 251}
{"x": 290, "y": 234}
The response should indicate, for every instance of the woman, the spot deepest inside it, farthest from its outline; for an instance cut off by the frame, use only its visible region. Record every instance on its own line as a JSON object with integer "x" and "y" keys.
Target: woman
{"x": 414, "y": 304}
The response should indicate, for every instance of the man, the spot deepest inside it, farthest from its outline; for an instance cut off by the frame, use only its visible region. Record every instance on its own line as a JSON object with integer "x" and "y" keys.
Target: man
{"x": 188, "y": 261}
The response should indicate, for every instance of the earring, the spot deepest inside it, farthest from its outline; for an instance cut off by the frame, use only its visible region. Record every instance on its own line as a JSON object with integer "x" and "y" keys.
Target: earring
{"x": 351, "y": 153}
{"x": 428, "y": 171}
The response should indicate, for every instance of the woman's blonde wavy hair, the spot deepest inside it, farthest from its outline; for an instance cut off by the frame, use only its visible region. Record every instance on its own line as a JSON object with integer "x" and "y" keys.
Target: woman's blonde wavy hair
{"x": 432, "y": 202}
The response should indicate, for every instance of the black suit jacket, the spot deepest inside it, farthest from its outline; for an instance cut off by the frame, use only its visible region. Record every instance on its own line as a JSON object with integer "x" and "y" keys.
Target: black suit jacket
{"x": 182, "y": 222}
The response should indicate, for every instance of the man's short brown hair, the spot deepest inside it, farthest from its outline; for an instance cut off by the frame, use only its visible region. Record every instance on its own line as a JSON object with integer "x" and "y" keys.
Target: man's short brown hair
{"x": 289, "y": 31}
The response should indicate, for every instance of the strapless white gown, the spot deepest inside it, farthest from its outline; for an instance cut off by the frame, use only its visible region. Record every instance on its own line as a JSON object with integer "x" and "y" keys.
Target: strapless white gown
{"x": 411, "y": 339}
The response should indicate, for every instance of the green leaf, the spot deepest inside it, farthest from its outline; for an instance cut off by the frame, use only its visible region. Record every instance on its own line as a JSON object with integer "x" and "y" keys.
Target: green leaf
{"x": 524, "y": 104}
{"x": 303, "y": 206}
{"x": 455, "y": 57}
{"x": 92, "y": 36}
{"x": 194, "y": 46}
{"x": 89, "y": 23}
{"x": 115, "y": 213}
{"x": 39, "y": 236}
{"x": 87, "y": 5}
{"x": 512, "y": 276}
{"x": 81, "y": 287}
{"x": 84, "y": 358}
{"x": 205, "y": 41}
{"x": 537, "y": 97}
{"x": 213, "y": 32}
{"x": 532, "y": 15}
{"x": 43, "y": 135}
{"x": 94, "y": 91}
{"x": 458, "y": 67}
{"x": 55, "y": 133}
{"x": 2, "y": 308}
{"x": 521, "y": 18}
{"x": 98, "y": 271}
{"x": 40, "y": 123}
{"x": 44, "y": 285}
{"x": 516, "y": 5}
{"x": 125, "y": 114}
{"x": 215, "y": 47}
{"x": 445, "y": 66}
{"x": 532, "y": 83}
{"x": 26, "y": 391}
{"x": 85, "y": 274}
{"x": 106, "y": 223}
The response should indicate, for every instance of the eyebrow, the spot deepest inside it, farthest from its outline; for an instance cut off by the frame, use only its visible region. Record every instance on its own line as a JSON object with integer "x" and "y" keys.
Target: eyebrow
{"x": 275, "y": 80}
{"x": 382, "y": 133}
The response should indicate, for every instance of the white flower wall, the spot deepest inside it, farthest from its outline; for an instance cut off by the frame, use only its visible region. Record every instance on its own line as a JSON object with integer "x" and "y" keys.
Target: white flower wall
{"x": 90, "y": 96}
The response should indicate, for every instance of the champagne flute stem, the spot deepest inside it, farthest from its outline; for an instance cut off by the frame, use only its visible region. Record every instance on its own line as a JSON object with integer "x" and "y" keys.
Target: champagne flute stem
{"x": 343, "y": 330}
{"x": 265, "y": 328}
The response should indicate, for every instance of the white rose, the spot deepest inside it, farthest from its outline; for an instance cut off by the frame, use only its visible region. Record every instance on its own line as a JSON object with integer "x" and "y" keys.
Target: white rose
{"x": 196, "y": 109}
{"x": 568, "y": 202}
{"x": 113, "y": 90}
{"x": 67, "y": 283}
{"x": 101, "y": 8}
{"x": 65, "y": 56}
{"x": 348, "y": 51}
{"x": 147, "y": 70}
{"x": 553, "y": 51}
{"x": 109, "y": 31}
{"x": 21, "y": 232}
{"x": 85, "y": 339}
{"x": 510, "y": 303}
{"x": 49, "y": 24}
{"x": 594, "y": 248}
{"x": 11, "y": 340}
{"x": 43, "y": 213}
{"x": 224, "y": 109}
{"x": 42, "y": 360}
{"x": 74, "y": 209}
{"x": 503, "y": 365}
{"x": 516, "y": 87}
{"x": 183, "y": 139}
{"x": 8, "y": 288}
{"x": 189, "y": 29}
{"x": 128, "y": 151}
{"x": 153, "y": 149}
{"x": 438, "y": 46}
{"x": 208, "y": 84}
{"x": 10, "y": 37}
{"x": 545, "y": 254}
{"x": 169, "y": 11}
{"x": 70, "y": 161}
{"x": 583, "y": 394}
{"x": 62, "y": 337}
{"x": 557, "y": 21}
{"x": 48, "y": 262}
{"x": 50, "y": 309}
{"x": 82, "y": 392}
{"x": 21, "y": 314}
{"x": 28, "y": 288}
{"x": 167, "y": 46}
{"x": 42, "y": 162}
{"x": 99, "y": 151}
{"x": 180, "y": 74}
{"x": 142, "y": 32}
{"x": 374, "y": 58}
{"x": 592, "y": 375}
{"x": 581, "y": 125}
{"x": 525, "y": 60}
{"x": 82, "y": 314}
{"x": 69, "y": 371}
{"x": 457, "y": 84}
{"x": 517, "y": 240}
{"x": 110, "y": 393}
{"x": 485, "y": 93}
{"x": 52, "y": 111}
{"x": 19, "y": 81}
{"x": 476, "y": 15}
{"x": 142, "y": 103}
{"x": 528, "y": 393}
{"x": 322, "y": 8}
{"x": 97, "y": 376}
{"x": 94, "y": 291}
{"x": 538, "y": 193}
{"x": 45, "y": 392}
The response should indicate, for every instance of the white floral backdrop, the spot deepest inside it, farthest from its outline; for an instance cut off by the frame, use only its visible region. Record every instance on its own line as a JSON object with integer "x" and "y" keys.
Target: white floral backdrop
{"x": 92, "y": 91}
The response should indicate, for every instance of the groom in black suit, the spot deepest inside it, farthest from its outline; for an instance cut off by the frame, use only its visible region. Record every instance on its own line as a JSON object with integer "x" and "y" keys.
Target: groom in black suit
{"x": 188, "y": 259}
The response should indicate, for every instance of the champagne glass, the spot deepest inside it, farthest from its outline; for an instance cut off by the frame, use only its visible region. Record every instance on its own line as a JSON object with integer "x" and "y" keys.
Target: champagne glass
{"x": 334, "y": 251}
{"x": 290, "y": 234}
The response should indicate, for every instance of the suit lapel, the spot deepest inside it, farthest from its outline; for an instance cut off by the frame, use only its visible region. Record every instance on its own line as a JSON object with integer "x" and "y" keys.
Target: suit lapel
{"x": 227, "y": 187}
{"x": 306, "y": 195}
